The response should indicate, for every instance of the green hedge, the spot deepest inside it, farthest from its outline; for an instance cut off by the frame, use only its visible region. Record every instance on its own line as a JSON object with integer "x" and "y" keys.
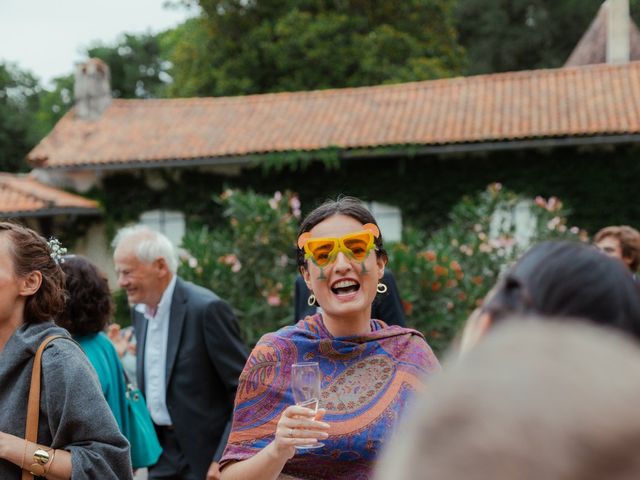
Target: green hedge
{"x": 598, "y": 184}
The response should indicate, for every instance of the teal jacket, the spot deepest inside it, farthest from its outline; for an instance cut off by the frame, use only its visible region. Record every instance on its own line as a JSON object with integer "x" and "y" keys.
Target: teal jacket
{"x": 104, "y": 359}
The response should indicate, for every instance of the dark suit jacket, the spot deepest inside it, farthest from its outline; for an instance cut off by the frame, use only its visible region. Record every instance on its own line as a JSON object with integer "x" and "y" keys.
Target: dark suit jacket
{"x": 386, "y": 306}
{"x": 205, "y": 356}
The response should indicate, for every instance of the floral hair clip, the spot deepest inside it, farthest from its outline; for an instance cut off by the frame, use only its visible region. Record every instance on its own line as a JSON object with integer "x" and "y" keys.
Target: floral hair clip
{"x": 57, "y": 250}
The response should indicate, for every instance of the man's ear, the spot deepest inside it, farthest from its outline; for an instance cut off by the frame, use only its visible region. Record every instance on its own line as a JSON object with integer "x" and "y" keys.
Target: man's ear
{"x": 161, "y": 266}
{"x": 30, "y": 283}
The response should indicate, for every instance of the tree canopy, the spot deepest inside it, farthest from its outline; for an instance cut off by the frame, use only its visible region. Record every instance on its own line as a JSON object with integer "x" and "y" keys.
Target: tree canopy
{"x": 508, "y": 35}
{"x": 137, "y": 64}
{"x": 239, "y": 47}
{"x": 19, "y": 99}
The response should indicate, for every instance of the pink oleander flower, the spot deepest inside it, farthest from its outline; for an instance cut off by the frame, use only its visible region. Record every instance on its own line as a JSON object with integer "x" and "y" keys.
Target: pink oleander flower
{"x": 274, "y": 300}
{"x": 495, "y": 187}
{"x": 232, "y": 260}
{"x": 484, "y": 247}
{"x": 294, "y": 203}
{"x": 554, "y": 223}
{"x": 226, "y": 194}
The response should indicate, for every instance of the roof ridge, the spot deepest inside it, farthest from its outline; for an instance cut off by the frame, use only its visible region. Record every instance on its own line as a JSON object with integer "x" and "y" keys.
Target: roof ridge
{"x": 357, "y": 91}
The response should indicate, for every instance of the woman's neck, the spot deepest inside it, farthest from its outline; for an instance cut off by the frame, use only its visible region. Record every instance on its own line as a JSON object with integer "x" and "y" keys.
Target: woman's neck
{"x": 347, "y": 326}
{"x": 7, "y": 328}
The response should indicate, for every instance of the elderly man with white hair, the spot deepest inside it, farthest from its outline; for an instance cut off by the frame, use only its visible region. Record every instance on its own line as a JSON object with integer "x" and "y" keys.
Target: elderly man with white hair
{"x": 189, "y": 354}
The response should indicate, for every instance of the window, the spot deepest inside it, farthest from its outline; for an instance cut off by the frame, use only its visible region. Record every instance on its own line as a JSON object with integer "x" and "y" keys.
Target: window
{"x": 171, "y": 223}
{"x": 517, "y": 220}
{"x": 389, "y": 220}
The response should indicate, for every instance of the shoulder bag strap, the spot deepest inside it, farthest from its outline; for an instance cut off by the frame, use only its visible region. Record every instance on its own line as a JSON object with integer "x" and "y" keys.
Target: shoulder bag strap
{"x": 33, "y": 407}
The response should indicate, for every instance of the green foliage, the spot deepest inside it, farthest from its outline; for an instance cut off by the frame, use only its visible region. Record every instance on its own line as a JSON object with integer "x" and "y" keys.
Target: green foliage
{"x": 248, "y": 262}
{"x": 443, "y": 276}
{"x": 507, "y": 35}
{"x": 137, "y": 63}
{"x": 19, "y": 92}
{"x": 54, "y": 103}
{"x": 239, "y": 47}
{"x": 295, "y": 160}
{"x": 121, "y": 310}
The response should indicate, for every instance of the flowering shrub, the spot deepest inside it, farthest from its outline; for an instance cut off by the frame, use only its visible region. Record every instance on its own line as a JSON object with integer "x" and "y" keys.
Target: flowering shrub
{"x": 249, "y": 262}
{"x": 442, "y": 277}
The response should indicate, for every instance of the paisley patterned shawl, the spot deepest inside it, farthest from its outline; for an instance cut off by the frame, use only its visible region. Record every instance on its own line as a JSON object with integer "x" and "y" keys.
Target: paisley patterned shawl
{"x": 366, "y": 382}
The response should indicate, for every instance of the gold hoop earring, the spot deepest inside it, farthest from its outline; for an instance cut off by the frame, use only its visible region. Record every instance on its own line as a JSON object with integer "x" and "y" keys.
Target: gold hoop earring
{"x": 311, "y": 301}
{"x": 381, "y": 288}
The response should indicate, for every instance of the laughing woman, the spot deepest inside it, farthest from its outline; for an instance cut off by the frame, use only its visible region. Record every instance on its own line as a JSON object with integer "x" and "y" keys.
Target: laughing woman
{"x": 369, "y": 370}
{"x": 77, "y": 435}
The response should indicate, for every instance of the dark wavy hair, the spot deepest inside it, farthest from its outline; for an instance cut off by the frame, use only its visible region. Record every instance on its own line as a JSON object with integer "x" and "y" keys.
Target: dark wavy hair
{"x": 566, "y": 279}
{"x": 89, "y": 305}
{"x": 345, "y": 205}
{"x": 30, "y": 252}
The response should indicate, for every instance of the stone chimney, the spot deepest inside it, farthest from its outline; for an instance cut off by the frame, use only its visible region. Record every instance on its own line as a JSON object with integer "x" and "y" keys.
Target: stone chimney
{"x": 618, "y": 25}
{"x": 92, "y": 89}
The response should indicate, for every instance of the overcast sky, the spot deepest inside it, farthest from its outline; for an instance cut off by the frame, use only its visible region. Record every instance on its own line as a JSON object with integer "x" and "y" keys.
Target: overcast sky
{"x": 47, "y": 37}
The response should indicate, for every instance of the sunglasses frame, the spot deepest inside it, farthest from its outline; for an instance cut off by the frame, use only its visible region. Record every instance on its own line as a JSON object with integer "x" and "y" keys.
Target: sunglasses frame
{"x": 339, "y": 246}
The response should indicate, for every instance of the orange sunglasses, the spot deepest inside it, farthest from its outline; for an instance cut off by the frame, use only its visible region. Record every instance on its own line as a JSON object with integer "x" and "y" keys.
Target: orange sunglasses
{"x": 324, "y": 250}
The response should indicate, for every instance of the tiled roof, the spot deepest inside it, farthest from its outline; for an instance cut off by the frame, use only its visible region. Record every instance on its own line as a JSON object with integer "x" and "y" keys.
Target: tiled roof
{"x": 592, "y": 47}
{"x": 581, "y": 101}
{"x": 22, "y": 196}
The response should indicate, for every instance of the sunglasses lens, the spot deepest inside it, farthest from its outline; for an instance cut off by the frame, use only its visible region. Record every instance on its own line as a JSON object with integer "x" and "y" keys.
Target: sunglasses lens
{"x": 321, "y": 250}
{"x": 358, "y": 245}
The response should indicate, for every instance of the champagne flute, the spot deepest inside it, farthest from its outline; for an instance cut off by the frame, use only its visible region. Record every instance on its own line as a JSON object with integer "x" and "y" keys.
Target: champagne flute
{"x": 305, "y": 384}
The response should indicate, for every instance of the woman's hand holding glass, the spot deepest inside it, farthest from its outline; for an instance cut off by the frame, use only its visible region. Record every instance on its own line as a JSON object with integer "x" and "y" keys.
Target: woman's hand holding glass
{"x": 299, "y": 426}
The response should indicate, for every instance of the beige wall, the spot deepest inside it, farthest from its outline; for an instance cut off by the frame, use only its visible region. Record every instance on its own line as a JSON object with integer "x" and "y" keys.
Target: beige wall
{"x": 95, "y": 246}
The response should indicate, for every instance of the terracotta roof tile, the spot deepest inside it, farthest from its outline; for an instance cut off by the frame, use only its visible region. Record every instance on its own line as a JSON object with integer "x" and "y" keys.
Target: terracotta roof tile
{"x": 24, "y": 196}
{"x": 579, "y": 101}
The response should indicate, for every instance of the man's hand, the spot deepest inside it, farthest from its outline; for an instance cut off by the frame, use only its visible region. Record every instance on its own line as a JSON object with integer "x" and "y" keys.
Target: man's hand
{"x": 214, "y": 471}
{"x": 120, "y": 342}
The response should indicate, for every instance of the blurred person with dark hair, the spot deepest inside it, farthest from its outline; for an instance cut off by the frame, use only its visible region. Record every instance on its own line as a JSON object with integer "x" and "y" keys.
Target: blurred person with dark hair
{"x": 536, "y": 400}
{"x": 86, "y": 315}
{"x": 621, "y": 242}
{"x": 561, "y": 279}
{"x": 77, "y": 435}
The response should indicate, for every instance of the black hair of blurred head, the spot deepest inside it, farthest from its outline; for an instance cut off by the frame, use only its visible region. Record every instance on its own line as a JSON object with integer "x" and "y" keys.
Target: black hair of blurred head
{"x": 343, "y": 205}
{"x": 89, "y": 303}
{"x": 567, "y": 279}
